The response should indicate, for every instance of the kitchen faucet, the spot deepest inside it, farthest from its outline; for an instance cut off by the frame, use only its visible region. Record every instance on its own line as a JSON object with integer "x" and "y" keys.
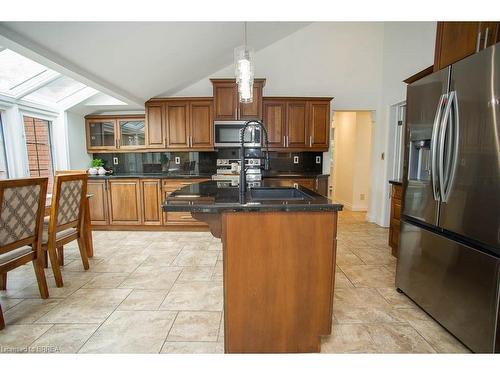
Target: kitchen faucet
{"x": 243, "y": 169}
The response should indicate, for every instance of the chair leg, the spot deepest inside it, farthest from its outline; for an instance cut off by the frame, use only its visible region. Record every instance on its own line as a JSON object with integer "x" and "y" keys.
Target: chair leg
{"x": 83, "y": 252}
{"x": 3, "y": 281}
{"x": 2, "y": 322}
{"x": 56, "y": 270}
{"x": 40, "y": 278}
{"x": 60, "y": 255}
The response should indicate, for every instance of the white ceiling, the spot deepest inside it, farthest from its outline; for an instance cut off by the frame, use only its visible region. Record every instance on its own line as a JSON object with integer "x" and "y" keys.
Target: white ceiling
{"x": 140, "y": 60}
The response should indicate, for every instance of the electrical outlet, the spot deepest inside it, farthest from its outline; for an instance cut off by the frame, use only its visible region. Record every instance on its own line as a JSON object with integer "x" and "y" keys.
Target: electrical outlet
{"x": 177, "y": 160}
{"x": 362, "y": 197}
{"x": 115, "y": 161}
{"x": 318, "y": 159}
{"x": 295, "y": 160}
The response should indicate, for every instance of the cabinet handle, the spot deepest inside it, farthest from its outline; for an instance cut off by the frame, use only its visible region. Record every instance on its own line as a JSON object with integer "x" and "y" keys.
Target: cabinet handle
{"x": 310, "y": 141}
{"x": 287, "y": 141}
{"x": 478, "y": 41}
{"x": 486, "y": 37}
{"x": 284, "y": 141}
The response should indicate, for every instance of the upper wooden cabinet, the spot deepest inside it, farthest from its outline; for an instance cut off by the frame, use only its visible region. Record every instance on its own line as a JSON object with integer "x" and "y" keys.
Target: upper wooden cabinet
{"x": 112, "y": 133}
{"x": 226, "y": 100}
{"x": 297, "y": 123}
{"x": 180, "y": 124}
{"x": 457, "y": 40}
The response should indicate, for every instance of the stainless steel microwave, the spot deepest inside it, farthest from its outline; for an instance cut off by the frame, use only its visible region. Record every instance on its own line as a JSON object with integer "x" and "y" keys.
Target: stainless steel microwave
{"x": 227, "y": 134}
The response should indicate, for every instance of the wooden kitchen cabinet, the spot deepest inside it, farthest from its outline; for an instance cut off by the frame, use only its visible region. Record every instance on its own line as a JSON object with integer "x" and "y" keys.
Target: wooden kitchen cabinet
{"x": 151, "y": 201}
{"x": 180, "y": 124}
{"x": 115, "y": 133}
{"x": 396, "y": 198}
{"x": 98, "y": 203}
{"x": 298, "y": 124}
{"x": 178, "y": 218}
{"x": 457, "y": 40}
{"x": 124, "y": 201}
{"x": 226, "y": 101}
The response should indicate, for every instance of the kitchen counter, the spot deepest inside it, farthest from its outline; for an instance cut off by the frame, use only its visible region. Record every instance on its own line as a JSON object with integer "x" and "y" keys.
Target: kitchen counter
{"x": 272, "y": 174}
{"x": 170, "y": 175}
{"x": 214, "y": 197}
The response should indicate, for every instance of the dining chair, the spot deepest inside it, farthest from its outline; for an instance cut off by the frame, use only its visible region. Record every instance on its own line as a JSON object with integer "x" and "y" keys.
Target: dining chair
{"x": 64, "y": 224}
{"x": 22, "y": 204}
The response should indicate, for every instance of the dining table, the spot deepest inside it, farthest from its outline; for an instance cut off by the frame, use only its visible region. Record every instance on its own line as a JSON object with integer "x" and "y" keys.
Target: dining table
{"x": 86, "y": 224}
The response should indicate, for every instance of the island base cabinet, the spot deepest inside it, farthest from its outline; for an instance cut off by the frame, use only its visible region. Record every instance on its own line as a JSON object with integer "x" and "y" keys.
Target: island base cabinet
{"x": 279, "y": 272}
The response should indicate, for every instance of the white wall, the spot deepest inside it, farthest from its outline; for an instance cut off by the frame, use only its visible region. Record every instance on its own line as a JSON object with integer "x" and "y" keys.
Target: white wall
{"x": 361, "y": 64}
{"x": 78, "y": 156}
{"x": 352, "y": 159}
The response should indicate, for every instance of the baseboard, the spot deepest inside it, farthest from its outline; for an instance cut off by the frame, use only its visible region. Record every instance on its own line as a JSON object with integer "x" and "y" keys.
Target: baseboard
{"x": 349, "y": 206}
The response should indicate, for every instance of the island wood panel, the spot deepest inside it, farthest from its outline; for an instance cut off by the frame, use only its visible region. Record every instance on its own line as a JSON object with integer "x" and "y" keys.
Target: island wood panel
{"x": 179, "y": 218}
{"x": 275, "y": 122}
{"x": 98, "y": 204}
{"x": 155, "y": 129}
{"x": 151, "y": 201}
{"x": 296, "y": 124}
{"x": 319, "y": 123}
{"x": 201, "y": 124}
{"x": 124, "y": 201}
{"x": 225, "y": 100}
{"x": 177, "y": 124}
{"x": 395, "y": 220}
{"x": 278, "y": 280}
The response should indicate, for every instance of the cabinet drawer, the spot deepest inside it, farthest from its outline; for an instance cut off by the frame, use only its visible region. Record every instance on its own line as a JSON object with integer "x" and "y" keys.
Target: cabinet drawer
{"x": 180, "y": 217}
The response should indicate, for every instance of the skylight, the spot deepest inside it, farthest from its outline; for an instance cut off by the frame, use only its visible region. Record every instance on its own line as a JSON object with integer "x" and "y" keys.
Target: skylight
{"x": 16, "y": 69}
{"x": 56, "y": 91}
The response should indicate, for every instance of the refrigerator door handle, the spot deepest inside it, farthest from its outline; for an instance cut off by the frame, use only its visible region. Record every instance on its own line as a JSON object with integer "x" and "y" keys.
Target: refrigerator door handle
{"x": 450, "y": 118}
{"x": 434, "y": 144}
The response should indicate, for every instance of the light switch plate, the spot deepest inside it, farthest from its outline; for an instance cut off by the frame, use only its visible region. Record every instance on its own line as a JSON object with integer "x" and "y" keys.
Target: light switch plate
{"x": 177, "y": 160}
{"x": 295, "y": 160}
{"x": 318, "y": 159}
{"x": 115, "y": 161}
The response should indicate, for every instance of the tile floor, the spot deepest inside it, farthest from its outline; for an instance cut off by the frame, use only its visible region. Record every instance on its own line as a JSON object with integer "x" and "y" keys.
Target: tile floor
{"x": 161, "y": 292}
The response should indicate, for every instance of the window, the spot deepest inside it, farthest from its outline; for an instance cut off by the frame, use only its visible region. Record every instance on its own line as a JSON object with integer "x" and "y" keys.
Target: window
{"x": 16, "y": 69}
{"x": 56, "y": 91}
{"x": 38, "y": 145}
{"x": 4, "y": 172}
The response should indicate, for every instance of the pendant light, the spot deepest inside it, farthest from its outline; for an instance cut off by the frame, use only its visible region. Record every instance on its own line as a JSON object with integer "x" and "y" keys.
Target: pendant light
{"x": 244, "y": 70}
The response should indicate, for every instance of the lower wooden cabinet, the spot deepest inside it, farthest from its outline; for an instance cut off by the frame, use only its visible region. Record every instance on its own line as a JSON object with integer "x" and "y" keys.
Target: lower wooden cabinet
{"x": 179, "y": 218}
{"x": 98, "y": 204}
{"x": 396, "y": 197}
{"x": 124, "y": 202}
{"x": 151, "y": 201}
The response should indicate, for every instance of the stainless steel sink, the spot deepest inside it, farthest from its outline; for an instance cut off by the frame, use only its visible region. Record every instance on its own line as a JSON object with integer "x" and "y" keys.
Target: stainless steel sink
{"x": 278, "y": 194}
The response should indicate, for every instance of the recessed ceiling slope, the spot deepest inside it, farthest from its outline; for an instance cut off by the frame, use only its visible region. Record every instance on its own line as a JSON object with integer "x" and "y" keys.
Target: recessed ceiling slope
{"x": 147, "y": 59}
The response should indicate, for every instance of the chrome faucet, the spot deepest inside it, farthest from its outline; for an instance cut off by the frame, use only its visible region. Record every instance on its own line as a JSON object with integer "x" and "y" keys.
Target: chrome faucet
{"x": 243, "y": 169}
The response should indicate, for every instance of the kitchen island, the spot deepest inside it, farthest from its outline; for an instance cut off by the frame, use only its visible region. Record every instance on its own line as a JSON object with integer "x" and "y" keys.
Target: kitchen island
{"x": 278, "y": 262}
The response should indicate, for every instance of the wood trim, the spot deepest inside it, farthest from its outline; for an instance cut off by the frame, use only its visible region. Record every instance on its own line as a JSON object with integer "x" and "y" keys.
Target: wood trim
{"x": 201, "y": 227}
{"x": 177, "y": 99}
{"x": 300, "y": 98}
{"x": 115, "y": 117}
{"x": 421, "y": 74}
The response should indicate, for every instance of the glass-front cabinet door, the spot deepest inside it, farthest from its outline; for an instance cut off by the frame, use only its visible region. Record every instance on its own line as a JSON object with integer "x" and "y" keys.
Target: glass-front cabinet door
{"x": 101, "y": 134}
{"x": 131, "y": 133}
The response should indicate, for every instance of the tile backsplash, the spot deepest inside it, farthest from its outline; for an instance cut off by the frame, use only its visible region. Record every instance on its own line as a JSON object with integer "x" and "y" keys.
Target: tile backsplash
{"x": 204, "y": 162}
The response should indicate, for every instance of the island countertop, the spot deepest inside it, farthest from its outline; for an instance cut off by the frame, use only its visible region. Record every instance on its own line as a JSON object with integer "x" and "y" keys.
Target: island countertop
{"x": 216, "y": 197}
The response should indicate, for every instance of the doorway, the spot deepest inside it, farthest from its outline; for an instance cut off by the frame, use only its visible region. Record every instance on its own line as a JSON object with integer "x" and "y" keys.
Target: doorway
{"x": 350, "y": 167}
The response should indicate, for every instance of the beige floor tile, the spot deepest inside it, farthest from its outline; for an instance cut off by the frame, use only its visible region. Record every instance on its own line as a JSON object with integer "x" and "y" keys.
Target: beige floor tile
{"x": 8, "y": 303}
{"x": 192, "y": 258}
{"x": 195, "y": 326}
{"x": 196, "y": 273}
{"x": 218, "y": 274}
{"x": 195, "y": 295}
{"x": 341, "y": 280}
{"x": 120, "y": 263}
{"x": 131, "y": 332}
{"x": 348, "y": 338}
{"x": 106, "y": 280}
{"x": 193, "y": 348}
{"x": 160, "y": 259}
{"x": 143, "y": 300}
{"x": 438, "y": 337}
{"x": 395, "y": 298}
{"x": 17, "y": 338}
{"x": 375, "y": 256}
{"x": 86, "y": 306}
{"x": 398, "y": 338}
{"x": 346, "y": 258}
{"x": 64, "y": 338}
{"x": 29, "y": 311}
{"x": 152, "y": 277}
{"x": 369, "y": 276}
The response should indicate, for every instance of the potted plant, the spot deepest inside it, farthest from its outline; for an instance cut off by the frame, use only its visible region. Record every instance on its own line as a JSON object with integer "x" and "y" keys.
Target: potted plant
{"x": 97, "y": 167}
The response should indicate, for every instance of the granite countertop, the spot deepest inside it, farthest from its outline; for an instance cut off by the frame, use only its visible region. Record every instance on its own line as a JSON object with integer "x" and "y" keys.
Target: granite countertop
{"x": 396, "y": 182}
{"x": 275, "y": 174}
{"x": 215, "y": 197}
{"x": 173, "y": 175}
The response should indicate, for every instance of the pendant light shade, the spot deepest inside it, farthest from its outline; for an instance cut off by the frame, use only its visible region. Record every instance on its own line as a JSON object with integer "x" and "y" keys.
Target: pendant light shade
{"x": 244, "y": 71}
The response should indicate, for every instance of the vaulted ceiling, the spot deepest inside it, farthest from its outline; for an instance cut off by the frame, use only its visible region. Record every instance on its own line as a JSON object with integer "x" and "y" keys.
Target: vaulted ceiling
{"x": 135, "y": 61}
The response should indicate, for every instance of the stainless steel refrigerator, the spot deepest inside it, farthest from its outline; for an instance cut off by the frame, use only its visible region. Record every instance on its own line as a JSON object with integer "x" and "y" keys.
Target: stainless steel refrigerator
{"x": 449, "y": 255}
